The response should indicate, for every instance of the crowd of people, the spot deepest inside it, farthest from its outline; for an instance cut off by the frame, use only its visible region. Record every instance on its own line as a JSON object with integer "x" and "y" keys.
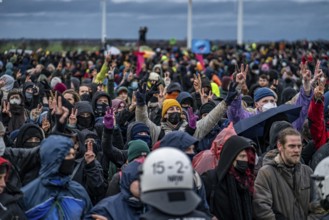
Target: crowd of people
{"x": 91, "y": 135}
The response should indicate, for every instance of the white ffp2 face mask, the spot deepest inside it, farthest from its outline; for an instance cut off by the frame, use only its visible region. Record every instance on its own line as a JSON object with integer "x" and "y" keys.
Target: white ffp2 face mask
{"x": 268, "y": 106}
{"x": 15, "y": 101}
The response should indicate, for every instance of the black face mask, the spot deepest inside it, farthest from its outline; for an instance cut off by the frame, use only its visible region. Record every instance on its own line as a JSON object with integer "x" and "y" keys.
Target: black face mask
{"x": 84, "y": 122}
{"x": 174, "y": 118}
{"x": 241, "y": 166}
{"x": 66, "y": 167}
{"x": 101, "y": 109}
{"x": 85, "y": 97}
{"x": 31, "y": 144}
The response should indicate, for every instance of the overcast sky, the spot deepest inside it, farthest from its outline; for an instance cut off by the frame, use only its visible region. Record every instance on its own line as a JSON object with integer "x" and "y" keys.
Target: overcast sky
{"x": 212, "y": 19}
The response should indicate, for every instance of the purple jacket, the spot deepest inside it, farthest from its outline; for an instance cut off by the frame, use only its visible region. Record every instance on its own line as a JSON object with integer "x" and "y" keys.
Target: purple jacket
{"x": 236, "y": 112}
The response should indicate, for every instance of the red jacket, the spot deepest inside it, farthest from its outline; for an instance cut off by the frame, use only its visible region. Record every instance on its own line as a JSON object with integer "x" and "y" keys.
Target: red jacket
{"x": 317, "y": 126}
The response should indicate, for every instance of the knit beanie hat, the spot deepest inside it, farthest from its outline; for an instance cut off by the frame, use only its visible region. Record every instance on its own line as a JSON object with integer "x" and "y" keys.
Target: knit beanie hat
{"x": 207, "y": 107}
{"x": 154, "y": 76}
{"x": 139, "y": 127}
{"x": 60, "y": 87}
{"x": 263, "y": 92}
{"x": 169, "y": 103}
{"x": 287, "y": 94}
{"x": 137, "y": 148}
{"x": 174, "y": 86}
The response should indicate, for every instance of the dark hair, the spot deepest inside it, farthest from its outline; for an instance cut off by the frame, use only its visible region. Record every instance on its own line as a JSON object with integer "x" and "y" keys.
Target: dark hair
{"x": 285, "y": 132}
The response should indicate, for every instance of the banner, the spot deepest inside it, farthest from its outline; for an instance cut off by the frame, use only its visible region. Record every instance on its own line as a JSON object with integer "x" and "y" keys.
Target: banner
{"x": 201, "y": 46}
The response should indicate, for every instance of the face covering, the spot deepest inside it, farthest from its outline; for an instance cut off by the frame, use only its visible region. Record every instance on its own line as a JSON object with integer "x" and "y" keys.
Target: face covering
{"x": 84, "y": 122}
{"x": 101, "y": 109}
{"x": 241, "y": 166}
{"x": 145, "y": 138}
{"x": 85, "y": 97}
{"x": 15, "y": 101}
{"x": 28, "y": 96}
{"x": 174, "y": 118}
{"x": 268, "y": 106}
{"x": 66, "y": 167}
{"x": 134, "y": 85}
{"x": 2, "y": 146}
{"x": 31, "y": 144}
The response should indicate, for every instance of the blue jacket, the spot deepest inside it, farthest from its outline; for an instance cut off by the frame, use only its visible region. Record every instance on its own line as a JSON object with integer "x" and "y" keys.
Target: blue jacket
{"x": 52, "y": 196}
{"x": 122, "y": 205}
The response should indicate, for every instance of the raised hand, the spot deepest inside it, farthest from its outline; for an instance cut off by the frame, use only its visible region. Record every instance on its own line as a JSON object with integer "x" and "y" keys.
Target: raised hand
{"x": 318, "y": 92}
{"x": 73, "y": 117}
{"x": 232, "y": 93}
{"x": 141, "y": 95}
{"x": 89, "y": 155}
{"x": 305, "y": 72}
{"x": 242, "y": 75}
{"x": 192, "y": 118}
{"x": 45, "y": 125}
{"x": 6, "y": 108}
{"x": 197, "y": 83}
{"x": 109, "y": 119}
{"x": 205, "y": 97}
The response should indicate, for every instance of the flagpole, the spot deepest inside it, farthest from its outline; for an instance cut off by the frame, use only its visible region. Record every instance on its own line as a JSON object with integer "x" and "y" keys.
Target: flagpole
{"x": 189, "y": 24}
{"x": 103, "y": 37}
{"x": 240, "y": 23}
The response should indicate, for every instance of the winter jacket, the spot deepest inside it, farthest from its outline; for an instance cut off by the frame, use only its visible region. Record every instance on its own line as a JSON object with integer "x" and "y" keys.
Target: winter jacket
{"x": 51, "y": 195}
{"x": 9, "y": 206}
{"x": 282, "y": 192}
{"x": 203, "y": 126}
{"x": 236, "y": 112}
{"x": 219, "y": 188}
{"x": 317, "y": 123}
{"x": 122, "y": 205}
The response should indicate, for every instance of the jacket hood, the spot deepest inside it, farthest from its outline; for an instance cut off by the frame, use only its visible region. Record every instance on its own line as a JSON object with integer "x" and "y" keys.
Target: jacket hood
{"x": 83, "y": 107}
{"x": 275, "y": 130}
{"x": 232, "y": 147}
{"x": 129, "y": 175}
{"x": 27, "y": 85}
{"x": 52, "y": 152}
{"x": 96, "y": 97}
{"x": 9, "y": 85}
{"x": 26, "y": 132}
{"x": 179, "y": 140}
{"x": 83, "y": 135}
{"x": 158, "y": 66}
{"x": 184, "y": 96}
{"x": 269, "y": 157}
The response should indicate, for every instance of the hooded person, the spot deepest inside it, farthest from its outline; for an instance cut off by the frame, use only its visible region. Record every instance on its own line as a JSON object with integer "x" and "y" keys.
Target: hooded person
{"x": 100, "y": 102}
{"x": 54, "y": 191}
{"x": 31, "y": 95}
{"x": 85, "y": 116}
{"x": 29, "y": 136}
{"x": 9, "y": 201}
{"x": 185, "y": 100}
{"x": 88, "y": 170}
{"x": 126, "y": 204}
{"x": 18, "y": 114}
{"x": 230, "y": 185}
{"x": 166, "y": 197}
{"x": 6, "y": 84}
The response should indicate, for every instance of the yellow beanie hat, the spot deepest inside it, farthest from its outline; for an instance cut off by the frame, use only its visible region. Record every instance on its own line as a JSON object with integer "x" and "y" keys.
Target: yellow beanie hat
{"x": 169, "y": 103}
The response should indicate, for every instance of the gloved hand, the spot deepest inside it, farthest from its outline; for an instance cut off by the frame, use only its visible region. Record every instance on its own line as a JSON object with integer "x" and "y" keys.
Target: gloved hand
{"x": 232, "y": 93}
{"x": 108, "y": 119}
{"x": 192, "y": 118}
{"x": 141, "y": 95}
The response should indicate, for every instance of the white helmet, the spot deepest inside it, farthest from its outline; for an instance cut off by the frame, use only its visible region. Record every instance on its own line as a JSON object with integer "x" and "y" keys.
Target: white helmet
{"x": 167, "y": 182}
{"x": 321, "y": 177}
